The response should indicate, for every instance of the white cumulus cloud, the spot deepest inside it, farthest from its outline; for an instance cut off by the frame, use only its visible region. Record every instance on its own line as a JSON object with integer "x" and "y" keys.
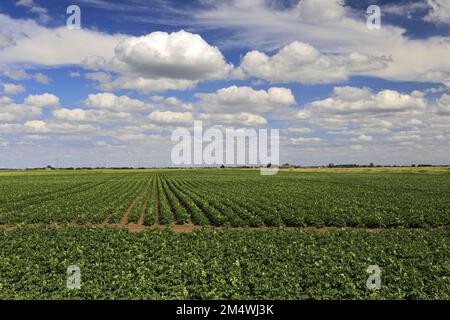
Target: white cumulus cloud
{"x": 12, "y": 111}
{"x": 177, "y": 55}
{"x": 171, "y": 117}
{"x": 160, "y": 61}
{"x": 110, "y": 101}
{"x": 11, "y": 88}
{"x": 300, "y": 62}
{"x": 239, "y": 99}
{"x": 45, "y": 100}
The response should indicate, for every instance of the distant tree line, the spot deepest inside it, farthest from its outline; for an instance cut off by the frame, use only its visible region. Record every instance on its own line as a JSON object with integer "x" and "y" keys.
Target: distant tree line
{"x": 283, "y": 166}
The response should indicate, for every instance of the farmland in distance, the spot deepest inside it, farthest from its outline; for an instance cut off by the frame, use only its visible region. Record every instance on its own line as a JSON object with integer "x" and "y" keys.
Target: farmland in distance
{"x": 230, "y": 198}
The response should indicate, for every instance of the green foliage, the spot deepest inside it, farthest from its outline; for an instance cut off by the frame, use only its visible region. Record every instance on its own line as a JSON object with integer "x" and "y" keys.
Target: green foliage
{"x": 224, "y": 265}
{"x": 234, "y": 198}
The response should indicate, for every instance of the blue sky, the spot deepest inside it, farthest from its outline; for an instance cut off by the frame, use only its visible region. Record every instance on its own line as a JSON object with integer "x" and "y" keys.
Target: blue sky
{"x": 112, "y": 92}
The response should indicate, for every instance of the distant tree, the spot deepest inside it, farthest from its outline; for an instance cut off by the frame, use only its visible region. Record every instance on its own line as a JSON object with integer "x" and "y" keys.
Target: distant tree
{"x": 269, "y": 165}
{"x": 222, "y": 166}
{"x": 371, "y": 165}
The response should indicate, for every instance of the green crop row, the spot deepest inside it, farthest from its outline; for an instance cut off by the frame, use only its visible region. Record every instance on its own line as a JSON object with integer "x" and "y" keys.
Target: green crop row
{"x": 181, "y": 215}
{"x": 151, "y": 213}
{"x": 165, "y": 212}
{"x": 195, "y": 212}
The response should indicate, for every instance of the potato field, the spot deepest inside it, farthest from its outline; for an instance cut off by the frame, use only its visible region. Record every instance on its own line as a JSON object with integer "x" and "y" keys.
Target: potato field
{"x": 224, "y": 234}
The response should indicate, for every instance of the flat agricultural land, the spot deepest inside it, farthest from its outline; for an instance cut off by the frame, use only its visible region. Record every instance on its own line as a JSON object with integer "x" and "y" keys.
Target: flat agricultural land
{"x": 226, "y": 234}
